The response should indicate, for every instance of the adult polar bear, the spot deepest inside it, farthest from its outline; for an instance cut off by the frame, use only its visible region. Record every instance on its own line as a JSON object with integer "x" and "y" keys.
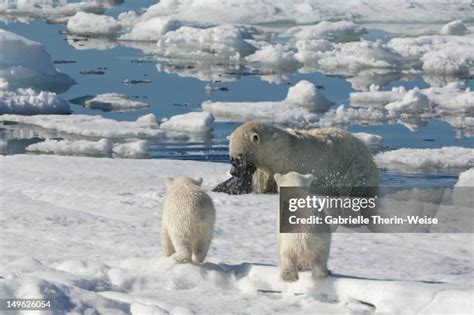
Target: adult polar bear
{"x": 341, "y": 163}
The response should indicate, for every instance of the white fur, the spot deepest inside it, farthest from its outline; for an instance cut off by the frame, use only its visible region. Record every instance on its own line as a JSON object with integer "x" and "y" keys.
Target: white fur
{"x": 188, "y": 220}
{"x": 299, "y": 250}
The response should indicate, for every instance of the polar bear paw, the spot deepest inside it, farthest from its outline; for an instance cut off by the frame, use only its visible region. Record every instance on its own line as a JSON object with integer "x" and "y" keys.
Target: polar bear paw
{"x": 289, "y": 275}
{"x": 181, "y": 258}
{"x": 320, "y": 272}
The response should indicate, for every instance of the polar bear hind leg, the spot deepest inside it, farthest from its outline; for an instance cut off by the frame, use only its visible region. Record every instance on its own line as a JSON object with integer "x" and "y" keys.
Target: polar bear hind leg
{"x": 167, "y": 247}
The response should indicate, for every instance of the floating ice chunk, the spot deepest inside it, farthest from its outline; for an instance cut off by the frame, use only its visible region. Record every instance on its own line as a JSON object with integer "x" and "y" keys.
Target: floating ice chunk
{"x": 89, "y": 24}
{"x": 305, "y": 94}
{"x": 310, "y": 11}
{"x": 103, "y": 147}
{"x": 152, "y": 29}
{"x": 297, "y": 109}
{"x": 466, "y": 179}
{"x": 310, "y": 51}
{"x": 377, "y": 98}
{"x": 349, "y": 116}
{"x": 31, "y": 102}
{"x": 25, "y": 63}
{"x": 91, "y": 126}
{"x": 194, "y": 122}
{"x": 360, "y": 55}
{"x": 341, "y": 31}
{"x": 413, "y": 102}
{"x": 131, "y": 150}
{"x": 114, "y": 102}
{"x": 276, "y": 56}
{"x": 3, "y": 84}
{"x": 442, "y": 55}
{"x": 220, "y": 42}
{"x": 25, "y": 10}
{"x": 452, "y": 98}
{"x": 454, "y": 28}
{"x": 445, "y": 158}
{"x": 374, "y": 142}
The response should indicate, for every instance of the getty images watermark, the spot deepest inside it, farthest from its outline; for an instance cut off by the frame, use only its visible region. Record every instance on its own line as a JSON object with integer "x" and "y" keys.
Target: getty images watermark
{"x": 392, "y": 210}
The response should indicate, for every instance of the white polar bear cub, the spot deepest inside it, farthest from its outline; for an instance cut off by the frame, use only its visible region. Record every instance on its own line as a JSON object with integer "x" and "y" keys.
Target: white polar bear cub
{"x": 299, "y": 250}
{"x": 188, "y": 220}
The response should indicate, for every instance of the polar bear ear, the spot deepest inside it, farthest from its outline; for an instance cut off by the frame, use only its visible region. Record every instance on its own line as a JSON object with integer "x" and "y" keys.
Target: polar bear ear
{"x": 168, "y": 181}
{"x": 254, "y": 137}
{"x": 277, "y": 177}
{"x": 198, "y": 181}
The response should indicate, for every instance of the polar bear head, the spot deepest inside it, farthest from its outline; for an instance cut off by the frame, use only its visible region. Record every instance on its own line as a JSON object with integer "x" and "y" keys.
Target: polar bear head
{"x": 182, "y": 181}
{"x": 252, "y": 146}
{"x": 293, "y": 179}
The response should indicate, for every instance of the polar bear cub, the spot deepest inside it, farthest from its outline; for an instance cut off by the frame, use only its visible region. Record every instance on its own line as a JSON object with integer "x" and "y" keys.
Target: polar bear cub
{"x": 188, "y": 220}
{"x": 299, "y": 250}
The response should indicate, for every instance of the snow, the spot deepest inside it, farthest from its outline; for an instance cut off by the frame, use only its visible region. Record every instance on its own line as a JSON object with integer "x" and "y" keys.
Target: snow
{"x": 114, "y": 102}
{"x": 92, "y": 245}
{"x": 131, "y": 150}
{"x": 92, "y": 126}
{"x": 310, "y": 11}
{"x": 341, "y": 31}
{"x": 276, "y": 56}
{"x": 305, "y": 94}
{"x": 413, "y": 102}
{"x": 438, "y": 54}
{"x": 90, "y": 24}
{"x": 299, "y": 107}
{"x": 51, "y": 10}
{"x": 466, "y": 179}
{"x": 225, "y": 42}
{"x": 25, "y": 63}
{"x": 103, "y": 147}
{"x": 151, "y": 30}
{"x": 441, "y": 159}
{"x": 348, "y": 58}
{"x": 374, "y": 142}
{"x": 194, "y": 122}
{"x": 30, "y": 102}
{"x": 454, "y": 28}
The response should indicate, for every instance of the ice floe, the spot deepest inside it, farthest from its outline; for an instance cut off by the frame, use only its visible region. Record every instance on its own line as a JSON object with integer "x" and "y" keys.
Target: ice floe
{"x": 51, "y": 10}
{"x": 113, "y": 102}
{"x": 144, "y": 127}
{"x": 151, "y": 30}
{"x": 104, "y": 257}
{"x": 90, "y": 24}
{"x": 374, "y": 142}
{"x": 442, "y": 159}
{"x": 341, "y": 31}
{"x": 278, "y": 56}
{"x": 25, "y": 63}
{"x": 454, "y": 28}
{"x": 225, "y": 42}
{"x": 101, "y": 148}
{"x": 301, "y": 106}
{"x": 438, "y": 54}
{"x": 31, "y": 102}
{"x": 194, "y": 122}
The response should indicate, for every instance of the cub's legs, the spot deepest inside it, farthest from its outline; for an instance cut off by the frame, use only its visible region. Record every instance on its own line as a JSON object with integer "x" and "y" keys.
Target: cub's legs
{"x": 167, "y": 247}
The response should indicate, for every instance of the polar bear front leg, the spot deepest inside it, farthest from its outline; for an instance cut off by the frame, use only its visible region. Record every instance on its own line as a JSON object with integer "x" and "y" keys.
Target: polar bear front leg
{"x": 289, "y": 268}
{"x": 183, "y": 253}
{"x": 319, "y": 267}
{"x": 167, "y": 247}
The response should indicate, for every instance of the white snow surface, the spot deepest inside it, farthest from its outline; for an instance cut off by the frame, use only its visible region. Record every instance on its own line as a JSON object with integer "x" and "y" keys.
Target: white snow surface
{"x": 301, "y": 106}
{"x": 340, "y": 31}
{"x": 25, "y": 63}
{"x": 193, "y": 122}
{"x": 224, "y": 42}
{"x": 454, "y": 28}
{"x": 114, "y": 102}
{"x": 441, "y": 159}
{"x": 90, "y": 24}
{"x": 311, "y": 11}
{"x": 85, "y": 233}
{"x": 92, "y": 126}
{"x": 101, "y": 148}
{"x": 31, "y": 102}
